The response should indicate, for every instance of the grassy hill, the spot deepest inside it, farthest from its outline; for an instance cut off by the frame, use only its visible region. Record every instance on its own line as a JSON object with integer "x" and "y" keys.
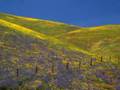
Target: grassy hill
{"x": 102, "y": 40}
{"x": 44, "y": 54}
{"x": 43, "y": 26}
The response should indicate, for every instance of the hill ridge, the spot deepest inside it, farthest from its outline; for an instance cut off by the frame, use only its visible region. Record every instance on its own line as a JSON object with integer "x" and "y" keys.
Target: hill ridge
{"x": 40, "y": 35}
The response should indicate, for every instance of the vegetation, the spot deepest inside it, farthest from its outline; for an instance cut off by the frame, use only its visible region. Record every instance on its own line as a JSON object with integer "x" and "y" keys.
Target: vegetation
{"x": 45, "y": 55}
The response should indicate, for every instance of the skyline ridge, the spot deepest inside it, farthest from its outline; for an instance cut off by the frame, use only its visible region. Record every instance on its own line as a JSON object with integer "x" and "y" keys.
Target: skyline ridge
{"x": 56, "y": 20}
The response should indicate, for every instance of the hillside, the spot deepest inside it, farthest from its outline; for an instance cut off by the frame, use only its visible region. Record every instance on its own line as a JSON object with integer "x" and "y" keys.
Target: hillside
{"x": 44, "y": 54}
{"x": 102, "y": 40}
{"x": 43, "y": 26}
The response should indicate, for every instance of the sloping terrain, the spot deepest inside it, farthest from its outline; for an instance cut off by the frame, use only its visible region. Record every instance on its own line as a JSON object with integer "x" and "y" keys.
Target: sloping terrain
{"x": 21, "y": 26}
{"x": 102, "y": 40}
{"x": 47, "y": 55}
{"x": 42, "y": 26}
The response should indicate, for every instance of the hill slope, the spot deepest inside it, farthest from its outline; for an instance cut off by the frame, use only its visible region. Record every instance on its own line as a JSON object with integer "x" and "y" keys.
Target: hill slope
{"x": 43, "y": 26}
{"x": 55, "y": 55}
{"x": 102, "y": 40}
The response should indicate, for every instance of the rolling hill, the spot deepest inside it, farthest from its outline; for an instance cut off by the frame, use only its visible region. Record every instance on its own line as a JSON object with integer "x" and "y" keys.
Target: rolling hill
{"x": 42, "y": 26}
{"x": 54, "y": 54}
{"x": 102, "y": 40}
